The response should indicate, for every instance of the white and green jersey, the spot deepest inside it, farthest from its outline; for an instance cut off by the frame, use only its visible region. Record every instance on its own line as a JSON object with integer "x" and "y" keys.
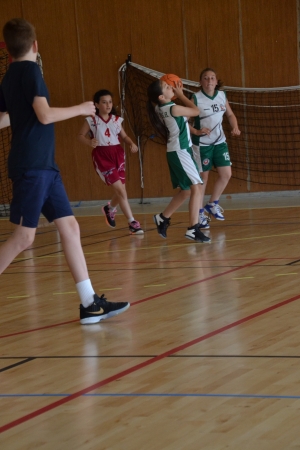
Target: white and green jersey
{"x": 179, "y": 132}
{"x": 212, "y": 110}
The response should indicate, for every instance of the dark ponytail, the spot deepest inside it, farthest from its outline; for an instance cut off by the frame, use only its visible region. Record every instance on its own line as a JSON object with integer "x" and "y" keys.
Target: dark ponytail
{"x": 154, "y": 91}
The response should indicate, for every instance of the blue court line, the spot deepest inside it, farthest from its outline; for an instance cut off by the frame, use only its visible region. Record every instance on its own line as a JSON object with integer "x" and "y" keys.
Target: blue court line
{"x": 279, "y": 397}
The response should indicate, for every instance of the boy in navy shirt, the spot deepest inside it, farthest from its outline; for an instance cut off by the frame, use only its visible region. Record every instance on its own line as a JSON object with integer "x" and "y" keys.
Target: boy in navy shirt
{"x": 37, "y": 184}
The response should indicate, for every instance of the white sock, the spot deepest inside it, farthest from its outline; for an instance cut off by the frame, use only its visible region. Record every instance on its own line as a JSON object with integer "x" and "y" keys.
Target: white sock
{"x": 112, "y": 208}
{"x": 131, "y": 219}
{"x": 86, "y": 292}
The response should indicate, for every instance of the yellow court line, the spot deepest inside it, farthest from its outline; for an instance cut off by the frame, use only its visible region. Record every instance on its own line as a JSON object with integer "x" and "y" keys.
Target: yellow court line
{"x": 241, "y": 278}
{"x": 285, "y": 274}
{"x": 166, "y": 245}
{"x": 63, "y": 293}
{"x": 18, "y": 296}
{"x": 110, "y": 289}
{"x": 183, "y": 211}
{"x": 154, "y": 285}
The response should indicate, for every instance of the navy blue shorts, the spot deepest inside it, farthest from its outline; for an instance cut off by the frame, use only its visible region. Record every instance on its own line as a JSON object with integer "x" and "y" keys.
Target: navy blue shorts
{"x": 36, "y": 192}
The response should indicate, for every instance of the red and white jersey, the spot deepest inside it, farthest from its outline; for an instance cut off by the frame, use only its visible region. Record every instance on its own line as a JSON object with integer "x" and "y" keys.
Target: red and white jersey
{"x": 105, "y": 131}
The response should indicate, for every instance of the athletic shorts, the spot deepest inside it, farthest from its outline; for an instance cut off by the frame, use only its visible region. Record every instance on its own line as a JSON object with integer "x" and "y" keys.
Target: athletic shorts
{"x": 183, "y": 169}
{"x": 214, "y": 155}
{"x": 36, "y": 192}
{"x": 196, "y": 156}
{"x": 109, "y": 163}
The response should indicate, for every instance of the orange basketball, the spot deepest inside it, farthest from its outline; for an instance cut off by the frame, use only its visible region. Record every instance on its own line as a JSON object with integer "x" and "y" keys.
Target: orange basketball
{"x": 171, "y": 79}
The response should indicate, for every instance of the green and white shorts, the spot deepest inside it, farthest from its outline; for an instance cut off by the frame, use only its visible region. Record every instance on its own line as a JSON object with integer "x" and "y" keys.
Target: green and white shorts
{"x": 208, "y": 156}
{"x": 183, "y": 169}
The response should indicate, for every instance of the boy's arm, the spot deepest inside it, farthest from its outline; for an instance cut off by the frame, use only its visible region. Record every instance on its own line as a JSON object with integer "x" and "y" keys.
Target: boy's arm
{"x": 47, "y": 114}
{"x": 4, "y": 120}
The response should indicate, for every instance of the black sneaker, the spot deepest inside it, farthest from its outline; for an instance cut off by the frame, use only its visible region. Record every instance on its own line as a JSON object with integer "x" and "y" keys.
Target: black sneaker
{"x": 195, "y": 234}
{"x": 101, "y": 309}
{"x": 109, "y": 216}
{"x": 162, "y": 223}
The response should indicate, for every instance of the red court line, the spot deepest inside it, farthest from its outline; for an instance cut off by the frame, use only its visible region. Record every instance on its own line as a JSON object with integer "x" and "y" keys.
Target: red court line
{"x": 137, "y": 367}
{"x": 143, "y": 300}
{"x": 200, "y": 281}
{"x": 40, "y": 328}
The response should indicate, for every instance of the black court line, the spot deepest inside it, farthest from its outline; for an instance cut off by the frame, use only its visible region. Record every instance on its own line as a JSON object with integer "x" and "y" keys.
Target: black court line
{"x": 31, "y": 358}
{"x": 138, "y": 269}
{"x": 17, "y": 364}
{"x": 293, "y": 262}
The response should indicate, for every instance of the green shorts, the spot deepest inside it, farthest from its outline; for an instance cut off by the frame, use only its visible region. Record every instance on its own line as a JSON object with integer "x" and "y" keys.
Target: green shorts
{"x": 214, "y": 155}
{"x": 183, "y": 169}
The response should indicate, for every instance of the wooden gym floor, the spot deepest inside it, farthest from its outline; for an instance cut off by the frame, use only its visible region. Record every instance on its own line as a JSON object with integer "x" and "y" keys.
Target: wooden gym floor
{"x": 207, "y": 357}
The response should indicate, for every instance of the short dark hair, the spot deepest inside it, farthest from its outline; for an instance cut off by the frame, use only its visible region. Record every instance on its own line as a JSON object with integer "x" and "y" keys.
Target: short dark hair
{"x": 19, "y": 36}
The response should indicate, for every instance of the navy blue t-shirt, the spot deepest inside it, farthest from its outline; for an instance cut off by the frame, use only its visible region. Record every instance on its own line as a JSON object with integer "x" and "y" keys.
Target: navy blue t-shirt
{"x": 32, "y": 144}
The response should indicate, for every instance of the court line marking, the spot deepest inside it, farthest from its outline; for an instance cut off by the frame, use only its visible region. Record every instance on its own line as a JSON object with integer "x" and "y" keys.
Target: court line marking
{"x": 285, "y": 274}
{"x": 139, "y": 366}
{"x": 60, "y": 252}
{"x": 143, "y": 300}
{"x": 242, "y": 278}
{"x": 19, "y": 363}
{"x": 159, "y": 394}
{"x": 170, "y": 291}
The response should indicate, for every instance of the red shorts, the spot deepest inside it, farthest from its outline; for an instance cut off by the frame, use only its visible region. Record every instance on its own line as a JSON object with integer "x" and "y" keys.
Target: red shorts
{"x": 109, "y": 163}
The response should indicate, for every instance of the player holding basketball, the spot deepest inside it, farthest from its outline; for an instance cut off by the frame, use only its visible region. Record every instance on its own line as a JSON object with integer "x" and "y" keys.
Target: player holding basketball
{"x": 37, "y": 184}
{"x": 209, "y": 141}
{"x": 102, "y": 133}
{"x": 170, "y": 122}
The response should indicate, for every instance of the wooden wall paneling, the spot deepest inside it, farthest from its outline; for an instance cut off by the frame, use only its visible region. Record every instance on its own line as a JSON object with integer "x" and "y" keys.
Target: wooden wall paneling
{"x": 55, "y": 23}
{"x": 84, "y": 44}
{"x": 119, "y": 28}
{"x": 105, "y": 29}
{"x": 212, "y": 31}
{"x": 8, "y": 10}
{"x": 158, "y": 42}
{"x": 213, "y": 41}
{"x": 270, "y": 43}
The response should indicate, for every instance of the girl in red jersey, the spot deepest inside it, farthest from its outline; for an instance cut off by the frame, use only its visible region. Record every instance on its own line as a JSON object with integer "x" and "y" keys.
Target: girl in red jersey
{"x": 102, "y": 133}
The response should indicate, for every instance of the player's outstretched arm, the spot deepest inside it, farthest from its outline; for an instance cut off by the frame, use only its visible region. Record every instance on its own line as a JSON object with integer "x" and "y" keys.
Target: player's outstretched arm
{"x": 47, "y": 114}
{"x": 4, "y": 120}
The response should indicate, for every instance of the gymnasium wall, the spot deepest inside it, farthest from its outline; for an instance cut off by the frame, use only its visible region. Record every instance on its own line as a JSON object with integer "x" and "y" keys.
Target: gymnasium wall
{"x": 251, "y": 43}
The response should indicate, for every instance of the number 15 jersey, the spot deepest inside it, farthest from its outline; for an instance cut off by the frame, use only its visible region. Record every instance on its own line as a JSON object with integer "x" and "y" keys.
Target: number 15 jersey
{"x": 212, "y": 110}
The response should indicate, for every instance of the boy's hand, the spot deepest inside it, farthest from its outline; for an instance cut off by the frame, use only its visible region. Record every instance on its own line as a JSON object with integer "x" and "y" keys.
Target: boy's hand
{"x": 88, "y": 109}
